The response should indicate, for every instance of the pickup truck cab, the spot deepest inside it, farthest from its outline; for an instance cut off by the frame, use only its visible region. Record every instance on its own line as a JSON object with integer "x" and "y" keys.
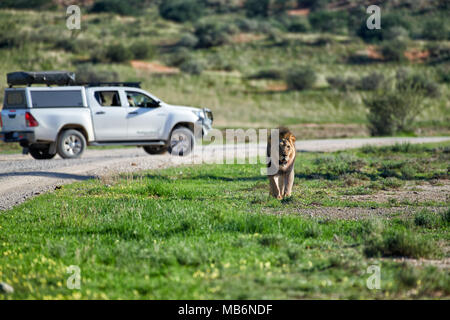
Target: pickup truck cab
{"x": 47, "y": 120}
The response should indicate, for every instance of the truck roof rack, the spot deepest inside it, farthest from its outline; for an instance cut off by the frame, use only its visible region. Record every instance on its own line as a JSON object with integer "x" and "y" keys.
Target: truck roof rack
{"x": 111, "y": 84}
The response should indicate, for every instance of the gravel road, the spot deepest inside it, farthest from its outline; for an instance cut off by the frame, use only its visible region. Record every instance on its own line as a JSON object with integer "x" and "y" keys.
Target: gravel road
{"x": 22, "y": 177}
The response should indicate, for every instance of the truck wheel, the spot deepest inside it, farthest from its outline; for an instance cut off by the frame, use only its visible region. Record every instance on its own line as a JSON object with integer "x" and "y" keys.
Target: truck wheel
{"x": 155, "y": 150}
{"x": 71, "y": 144}
{"x": 181, "y": 142}
{"x": 41, "y": 153}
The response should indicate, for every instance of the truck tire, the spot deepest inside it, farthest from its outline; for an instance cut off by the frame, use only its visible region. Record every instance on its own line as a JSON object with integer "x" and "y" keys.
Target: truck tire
{"x": 41, "y": 153}
{"x": 71, "y": 144}
{"x": 155, "y": 150}
{"x": 181, "y": 142}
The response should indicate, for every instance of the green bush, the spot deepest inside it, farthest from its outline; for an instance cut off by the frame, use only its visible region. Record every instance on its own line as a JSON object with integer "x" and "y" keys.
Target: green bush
{"x": 439, "y": 52}
{"x": 257, "y": 8}
{"x": 393, "y": 50}
{"x": 301, "y": 78}
{"x": 313, "y": 5}
{"x": 211, "y": 34}
{"x": 141, "y": 50}
{"x": 88, "y": 73}
{"x": 443, "y": 74}
{"x": 426, "y": 219}
{"x": 342, "y": 83}
{"x": 181, "y": 10}
{"x": 180, "y": 56}
{"x": 194, "y": 67}
{"x": 417, "y": 82}
{"x": 26, "y": 4}
{"x": 188, "y": 40}
{"x": 373, "y": 81}
{"x": 118, "y": 53}
{"x": 392, "y": 111}
{"x": 273, "y": 74}
{"x": 247, "y": 25}
{"x": 116, "y": 6}
{"x": 329, "y": 21}
{"x": 436, "y": 30}
{"x": 398, "y": 244}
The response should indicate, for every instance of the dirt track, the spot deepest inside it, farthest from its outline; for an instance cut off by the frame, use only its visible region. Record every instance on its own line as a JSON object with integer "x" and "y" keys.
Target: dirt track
{"x": 22, "y": 177}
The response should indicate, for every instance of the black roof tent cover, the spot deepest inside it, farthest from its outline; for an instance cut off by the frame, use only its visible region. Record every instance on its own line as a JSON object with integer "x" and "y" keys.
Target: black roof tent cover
{"x": 46, "y": 77}
{"x": 58, "y": 78}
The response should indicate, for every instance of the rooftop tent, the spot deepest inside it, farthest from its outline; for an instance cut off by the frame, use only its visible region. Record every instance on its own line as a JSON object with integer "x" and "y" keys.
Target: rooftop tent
{"x": 44, "y": 77}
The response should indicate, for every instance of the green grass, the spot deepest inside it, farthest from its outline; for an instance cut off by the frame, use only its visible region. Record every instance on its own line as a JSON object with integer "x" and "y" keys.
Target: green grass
{"x": 212, "y": 232}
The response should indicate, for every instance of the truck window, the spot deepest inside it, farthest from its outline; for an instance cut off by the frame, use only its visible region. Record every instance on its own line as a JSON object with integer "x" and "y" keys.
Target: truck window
{"x": 108, "y": 98}
{"x": 15, "y": 100}
{"x": 137, "y": 99}
{"x": 57, "y": 99}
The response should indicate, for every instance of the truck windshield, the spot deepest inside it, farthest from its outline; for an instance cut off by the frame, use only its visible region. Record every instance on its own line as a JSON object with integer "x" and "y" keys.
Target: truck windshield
{"x": 15, "y": 100}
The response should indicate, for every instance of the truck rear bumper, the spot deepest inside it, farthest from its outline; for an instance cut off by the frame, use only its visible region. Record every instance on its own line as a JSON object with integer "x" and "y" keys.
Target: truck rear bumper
{"x": 23, "y": 137}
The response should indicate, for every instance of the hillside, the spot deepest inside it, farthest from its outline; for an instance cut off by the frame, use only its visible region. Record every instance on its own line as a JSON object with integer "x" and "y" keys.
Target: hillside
{"x": 243, "y": 59}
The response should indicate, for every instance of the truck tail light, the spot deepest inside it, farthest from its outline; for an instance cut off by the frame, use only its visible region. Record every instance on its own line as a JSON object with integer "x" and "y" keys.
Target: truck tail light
{"x": 30, "y": 120}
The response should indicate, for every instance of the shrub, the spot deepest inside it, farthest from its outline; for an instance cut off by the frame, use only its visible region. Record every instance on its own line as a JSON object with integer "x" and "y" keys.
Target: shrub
{"x": 257, "y": 8}
{"x": 313, "y": 5}
{"x": 180, "y": 56}
{"x": 300, "y": 78}
{"x": 439, "y": 52}
{"x": 443, "y": 74}
{"x": 141, "y": 50}
{"x": 373, "y": 81}
{"x": 342, "y": 83}
{"x": 181, "y": 10}
{"x": 274, "y": 74}
{"x": 435, "y": 30}
{"x": 115, "y": 6}
{"x": 329, "y": 21}
{"x": 26, "y": 4}
{"x": 87, "y": 73}
{"x": 419, "y": 83}
{"x": 188, "y": 40}
{"x": 194, "y": 67}
{"x": 398, "y": 244}
{"x": 392, "y": 111}
{"x": 426, "y": 219}
{"x": 394, "y": 50}
{"x": 247, "y": 25}
{"x": 118, "y": 53}
{"x": 299, "y": 25}
{"x": 396, "y": 33}
{"x": 211, "y": 34}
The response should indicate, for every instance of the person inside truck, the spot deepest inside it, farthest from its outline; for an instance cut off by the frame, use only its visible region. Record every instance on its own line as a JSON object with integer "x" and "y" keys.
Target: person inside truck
{"x": 131, "y": 101}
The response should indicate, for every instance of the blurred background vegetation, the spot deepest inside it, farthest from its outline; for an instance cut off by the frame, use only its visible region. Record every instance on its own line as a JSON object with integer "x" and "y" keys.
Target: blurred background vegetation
{"x": 311, "y": 65}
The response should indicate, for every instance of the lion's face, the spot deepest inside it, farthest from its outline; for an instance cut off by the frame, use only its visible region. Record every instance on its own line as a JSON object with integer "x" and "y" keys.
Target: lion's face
{"x": 287, "y": 149}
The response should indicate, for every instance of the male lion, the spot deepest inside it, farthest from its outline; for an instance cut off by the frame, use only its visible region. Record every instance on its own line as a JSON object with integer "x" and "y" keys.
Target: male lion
{"x": 282, "y": 181}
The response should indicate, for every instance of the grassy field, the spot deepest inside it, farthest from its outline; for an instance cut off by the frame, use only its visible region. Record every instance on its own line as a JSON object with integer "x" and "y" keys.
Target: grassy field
{"x": 212, "y": 232}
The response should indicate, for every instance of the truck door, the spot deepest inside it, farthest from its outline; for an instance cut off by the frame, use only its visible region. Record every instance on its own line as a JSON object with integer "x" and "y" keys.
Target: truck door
{"x": 146, "y": 118}
{"x": 109, "y": 114}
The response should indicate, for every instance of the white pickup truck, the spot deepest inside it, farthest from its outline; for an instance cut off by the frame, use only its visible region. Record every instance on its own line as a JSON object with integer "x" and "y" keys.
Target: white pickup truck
{"x": 46, "y": 120}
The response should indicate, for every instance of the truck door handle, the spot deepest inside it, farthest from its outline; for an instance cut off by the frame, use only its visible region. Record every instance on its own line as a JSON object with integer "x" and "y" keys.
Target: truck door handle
{"x": 100, "y": 112}
{"x": 134, "y": 112}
